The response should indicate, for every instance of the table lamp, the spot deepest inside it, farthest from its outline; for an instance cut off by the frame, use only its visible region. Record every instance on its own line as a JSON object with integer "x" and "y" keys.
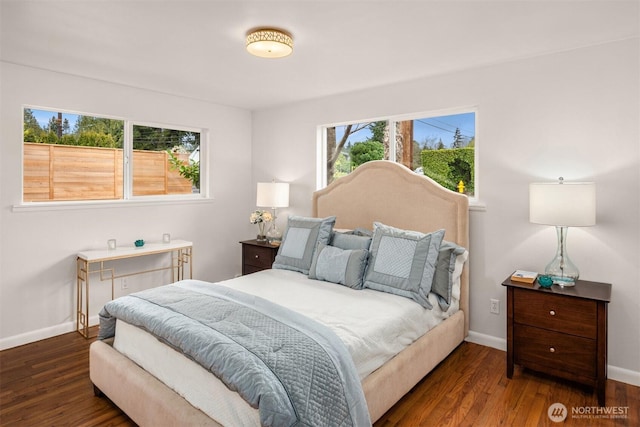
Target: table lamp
{"x": 273, "y": 195}
{"x": 562, "y": 204}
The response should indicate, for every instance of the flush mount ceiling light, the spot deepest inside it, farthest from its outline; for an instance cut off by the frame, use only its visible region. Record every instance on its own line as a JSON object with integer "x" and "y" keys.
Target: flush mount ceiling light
{"x": 269, "y": 43}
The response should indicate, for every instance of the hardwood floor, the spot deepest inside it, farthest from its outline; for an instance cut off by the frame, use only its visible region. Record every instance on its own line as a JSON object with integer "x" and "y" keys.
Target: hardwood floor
{"x": 47, "y": 384}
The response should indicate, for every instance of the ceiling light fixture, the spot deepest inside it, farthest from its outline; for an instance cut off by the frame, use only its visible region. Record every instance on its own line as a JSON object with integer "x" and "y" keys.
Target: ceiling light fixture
{"x": 269, "y": 43}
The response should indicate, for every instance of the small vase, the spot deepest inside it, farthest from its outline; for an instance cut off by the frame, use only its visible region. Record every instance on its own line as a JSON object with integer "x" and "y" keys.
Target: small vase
{"x": 261, "y": 236}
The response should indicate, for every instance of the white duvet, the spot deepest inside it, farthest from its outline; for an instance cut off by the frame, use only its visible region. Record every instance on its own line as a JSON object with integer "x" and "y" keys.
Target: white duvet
{"x": 374, "y": 326}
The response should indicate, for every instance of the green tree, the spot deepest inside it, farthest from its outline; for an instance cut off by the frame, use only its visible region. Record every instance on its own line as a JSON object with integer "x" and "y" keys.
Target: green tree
{"x": 159, "y": 139}
{"x": 190, "y": 171}
{"x": 334, "y": 147}
{"x": 342, "y": 166}
{"x": 100, "y": 125}
{"x": 377, "y": 130}
{"x": 366, "y": 151}
{"x": 31, "y": 128}
{"x": 66, "y": 128}
{"x": 458, "y": 139}
{"x": 54, "y": 125}
{"x": 91, "y": 138}
{"x": 416, "y": 160}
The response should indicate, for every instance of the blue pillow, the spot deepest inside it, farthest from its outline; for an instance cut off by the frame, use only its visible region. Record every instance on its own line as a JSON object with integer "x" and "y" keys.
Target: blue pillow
{"x": 403, "y": 262}
{"x": 443, "y": 277}
{"x": 350, "y": 241}
{"x": 300, "y": 240}
{"x": 342, "y": 266}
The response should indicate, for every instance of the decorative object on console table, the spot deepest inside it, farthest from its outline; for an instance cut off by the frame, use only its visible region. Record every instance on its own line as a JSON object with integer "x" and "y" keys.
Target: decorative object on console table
{"x": 257, "y": 256}
{"x": 260, "y": 217}
{"x": 273, "y": 195}
{"x": 559, "y": 331}
{"x": 562, "y": 204}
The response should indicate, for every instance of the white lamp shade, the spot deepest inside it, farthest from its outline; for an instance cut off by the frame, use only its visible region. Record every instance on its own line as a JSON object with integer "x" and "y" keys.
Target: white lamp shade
{"x": 273, "y": 195}
{"x": 569, "y": 204}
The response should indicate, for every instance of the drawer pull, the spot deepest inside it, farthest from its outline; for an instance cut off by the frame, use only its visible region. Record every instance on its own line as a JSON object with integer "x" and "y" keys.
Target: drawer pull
{"x": 257, "y": 256}
{"x": 552, "y": 312}
{"x": 552, "y": 350}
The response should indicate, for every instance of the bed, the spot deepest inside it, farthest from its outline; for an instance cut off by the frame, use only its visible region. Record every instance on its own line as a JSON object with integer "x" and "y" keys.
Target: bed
{"x": 379, "y": 191}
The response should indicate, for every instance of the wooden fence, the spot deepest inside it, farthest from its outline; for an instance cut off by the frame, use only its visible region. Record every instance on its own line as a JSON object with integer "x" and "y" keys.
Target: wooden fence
{"x": 65, "y": 172}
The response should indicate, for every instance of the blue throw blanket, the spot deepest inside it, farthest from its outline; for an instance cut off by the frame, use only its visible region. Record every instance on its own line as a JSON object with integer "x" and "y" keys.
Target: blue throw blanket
{"x": 293, "y": 369}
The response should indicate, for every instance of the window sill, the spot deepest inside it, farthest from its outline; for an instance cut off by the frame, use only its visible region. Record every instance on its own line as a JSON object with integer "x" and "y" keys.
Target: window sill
{"x": 477, "y": 206}
{"x": 109, "y": 204}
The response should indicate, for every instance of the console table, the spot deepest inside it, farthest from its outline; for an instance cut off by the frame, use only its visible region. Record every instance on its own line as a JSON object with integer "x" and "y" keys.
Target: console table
{"x": 93, "y": 262}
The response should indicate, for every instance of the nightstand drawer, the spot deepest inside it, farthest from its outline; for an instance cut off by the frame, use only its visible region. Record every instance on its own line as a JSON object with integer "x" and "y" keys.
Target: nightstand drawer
{"x": 256, "y": 256}
{"x": 558, "y": 313}
{"x": 564, "y": 355}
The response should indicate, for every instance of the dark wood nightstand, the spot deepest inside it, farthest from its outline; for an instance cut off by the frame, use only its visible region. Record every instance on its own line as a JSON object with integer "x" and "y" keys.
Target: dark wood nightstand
{"x": 257, "y": 256}
{"x": 559, "y": 331}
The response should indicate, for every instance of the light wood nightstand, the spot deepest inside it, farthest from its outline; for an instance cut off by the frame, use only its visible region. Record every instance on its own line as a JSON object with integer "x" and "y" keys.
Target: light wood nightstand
{"x": 257, "y": 256}
{"x": 559, "y": 331}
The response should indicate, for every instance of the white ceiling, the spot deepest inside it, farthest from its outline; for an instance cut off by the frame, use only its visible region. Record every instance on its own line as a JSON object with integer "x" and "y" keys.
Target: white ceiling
{"x": 196, "y": 48}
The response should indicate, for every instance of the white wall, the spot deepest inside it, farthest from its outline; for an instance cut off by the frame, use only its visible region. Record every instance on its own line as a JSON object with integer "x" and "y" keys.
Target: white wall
{"x": 38, "y": 248}
{"x": 572, "y": 114}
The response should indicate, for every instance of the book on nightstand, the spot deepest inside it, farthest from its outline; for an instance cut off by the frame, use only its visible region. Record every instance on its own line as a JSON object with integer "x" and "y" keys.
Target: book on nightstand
{"x": 524, "y": 276}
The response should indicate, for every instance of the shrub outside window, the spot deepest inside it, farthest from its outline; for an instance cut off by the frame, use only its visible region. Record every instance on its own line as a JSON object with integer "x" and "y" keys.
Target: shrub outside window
{"x": 76, "y": 157}
{"x": 441, "y": 147}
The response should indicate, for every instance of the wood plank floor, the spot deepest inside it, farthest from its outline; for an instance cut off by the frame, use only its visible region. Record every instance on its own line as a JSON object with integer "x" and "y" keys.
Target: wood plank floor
{"x": 47, "y": 384}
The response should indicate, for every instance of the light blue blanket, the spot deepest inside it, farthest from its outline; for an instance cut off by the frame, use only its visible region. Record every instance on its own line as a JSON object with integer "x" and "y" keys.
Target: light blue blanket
{"x": 293, "y": 369}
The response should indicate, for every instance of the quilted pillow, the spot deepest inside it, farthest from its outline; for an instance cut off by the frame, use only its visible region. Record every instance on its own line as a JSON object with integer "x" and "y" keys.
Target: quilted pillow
{"x": 350, "y": 241}
{"x": 403, "y": 262}
{"x": 451, "y": 258}
{"x": 300, "y": 240}
{"x": 342, "y": 266}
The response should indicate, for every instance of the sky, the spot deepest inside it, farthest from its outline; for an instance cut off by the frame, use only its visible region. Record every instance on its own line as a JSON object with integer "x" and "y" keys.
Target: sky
{"x": 433, "y": 128}
{"x": 43, "y": 116}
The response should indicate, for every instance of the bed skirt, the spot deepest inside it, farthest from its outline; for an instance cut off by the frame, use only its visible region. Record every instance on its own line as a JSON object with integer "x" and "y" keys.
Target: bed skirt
{"x": 149, "y": 402}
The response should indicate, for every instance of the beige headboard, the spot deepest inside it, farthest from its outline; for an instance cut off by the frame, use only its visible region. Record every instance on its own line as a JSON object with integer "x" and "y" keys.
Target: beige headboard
{"x": 390, "y": 193}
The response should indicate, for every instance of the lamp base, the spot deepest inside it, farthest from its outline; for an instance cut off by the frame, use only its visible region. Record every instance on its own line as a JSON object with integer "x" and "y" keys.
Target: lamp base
{"x": 563, "y": 282}
{"x": 562, "y": 271}
{"x": 274, "y": 235}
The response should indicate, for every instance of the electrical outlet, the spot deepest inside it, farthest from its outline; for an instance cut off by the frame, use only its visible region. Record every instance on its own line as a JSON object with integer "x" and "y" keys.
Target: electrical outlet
{"x": 123, "y": 283}
{"x": 495, "y": 306}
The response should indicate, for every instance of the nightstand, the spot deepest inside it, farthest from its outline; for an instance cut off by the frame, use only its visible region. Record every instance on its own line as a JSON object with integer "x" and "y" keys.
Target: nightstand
{"x": 257, "y": 256}
{"x": 559, "y": 331}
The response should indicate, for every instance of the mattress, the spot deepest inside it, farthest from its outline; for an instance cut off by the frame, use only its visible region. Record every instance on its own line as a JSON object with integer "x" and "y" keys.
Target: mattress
{"x": 374, "y": 326}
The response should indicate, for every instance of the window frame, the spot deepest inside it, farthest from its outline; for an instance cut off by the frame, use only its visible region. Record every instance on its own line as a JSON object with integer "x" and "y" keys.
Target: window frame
{"x": 321, "y": 163}
{"x": 128, "y": 199}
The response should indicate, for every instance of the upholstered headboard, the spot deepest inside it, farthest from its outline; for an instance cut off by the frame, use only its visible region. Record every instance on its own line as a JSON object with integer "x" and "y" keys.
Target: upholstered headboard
{"x": 390, "y": 193}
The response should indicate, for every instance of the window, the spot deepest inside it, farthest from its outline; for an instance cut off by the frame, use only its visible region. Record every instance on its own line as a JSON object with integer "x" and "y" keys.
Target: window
{"x": 75, "y": 157}
{"x": 442, "y": 147}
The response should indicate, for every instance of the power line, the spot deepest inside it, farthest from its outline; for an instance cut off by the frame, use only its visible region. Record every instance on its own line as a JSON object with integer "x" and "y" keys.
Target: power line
{"x": 441, "y": 128}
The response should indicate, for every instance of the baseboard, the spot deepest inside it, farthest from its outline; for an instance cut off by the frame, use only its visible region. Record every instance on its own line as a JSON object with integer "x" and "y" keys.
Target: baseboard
{"x": 623, "y": 375}
{"x": 37, "y": 335}
{"x": 613, "y": 372}
{"x": 487, "y": 340}
{"x": 42, "y": 334}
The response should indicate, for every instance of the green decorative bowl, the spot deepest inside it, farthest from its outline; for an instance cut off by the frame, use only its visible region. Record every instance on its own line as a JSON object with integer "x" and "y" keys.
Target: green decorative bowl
{"x": 139, "y": 243}
{"x": 545, "y": 281}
